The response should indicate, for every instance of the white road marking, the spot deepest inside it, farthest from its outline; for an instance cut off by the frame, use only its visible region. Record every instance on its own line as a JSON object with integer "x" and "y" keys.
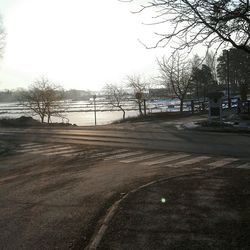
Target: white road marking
{"x": 95, "y": 155}
{"x": 61, "y": 152}
{"x": 119, "y": 156}
{"x": 43, "y": 149}
{"x": 164, "y": 159}
{"x": 109, "y": 153}
{"x": 222, "y": 162}
{"x": 33, "y": 146}
{"x": 29, "y": 144}
{"x": 37, "y": 148}
{"x": 74, "y": 153}
{"x": 69, "y": 153}
{"x": 190, "y": 161}
{"x": 141, "y": 158}
{"x": 244, "y": 166}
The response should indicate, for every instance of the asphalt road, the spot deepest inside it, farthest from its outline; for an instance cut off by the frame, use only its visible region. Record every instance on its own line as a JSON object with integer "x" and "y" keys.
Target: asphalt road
{"x": 56, "y": 184}
{"x": 146, "y": 136}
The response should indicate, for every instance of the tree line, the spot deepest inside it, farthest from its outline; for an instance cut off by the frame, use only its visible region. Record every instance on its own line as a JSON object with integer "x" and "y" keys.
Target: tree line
{"x": 44, "y": 98}
{"x": 13, "y": 95}
{"x": 178, "y": 77}
{"x": 184, "y": 78}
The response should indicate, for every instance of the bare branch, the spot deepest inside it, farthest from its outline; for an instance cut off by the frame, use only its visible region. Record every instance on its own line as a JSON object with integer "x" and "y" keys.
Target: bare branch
{"x": 116, "y": 96}
{"x": 44, "y": 99}
{"x": 176, "y": 75}
{"x": 2, "y": 38}
{"x": 192, "y": 22}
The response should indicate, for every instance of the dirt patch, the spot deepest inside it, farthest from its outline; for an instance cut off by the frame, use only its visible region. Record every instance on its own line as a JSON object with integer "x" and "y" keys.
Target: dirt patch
{"x": 27, "y": 121}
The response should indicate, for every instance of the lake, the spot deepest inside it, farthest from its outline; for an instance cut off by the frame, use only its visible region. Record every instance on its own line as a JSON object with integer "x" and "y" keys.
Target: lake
{"x": 81, "y": 113}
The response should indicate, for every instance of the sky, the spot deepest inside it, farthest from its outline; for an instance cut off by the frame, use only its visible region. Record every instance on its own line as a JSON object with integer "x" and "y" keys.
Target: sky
{"x": 75, "y": 43}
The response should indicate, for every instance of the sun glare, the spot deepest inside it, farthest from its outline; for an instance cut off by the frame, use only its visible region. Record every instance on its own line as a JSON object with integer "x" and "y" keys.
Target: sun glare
{"x": 77, "y": 43}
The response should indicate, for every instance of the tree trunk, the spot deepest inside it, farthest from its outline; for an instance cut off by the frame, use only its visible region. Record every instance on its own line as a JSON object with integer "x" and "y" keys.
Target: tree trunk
{"x": 48, "y": 118}
{"x": 139, "y": 104}
{"x": 123, "y": 115}
{"x": 204, "y": 99}
{"x": 145, "y": 108}
{"x": 181, "y": 105}
{"x": 204, "y": 94}
{"x": 197, "y": 92}
{"x": 42, "y": 118}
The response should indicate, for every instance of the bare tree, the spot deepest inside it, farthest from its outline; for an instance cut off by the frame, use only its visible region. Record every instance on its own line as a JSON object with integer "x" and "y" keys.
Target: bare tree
{"x": 194, "y": 22}
{"x": 2, "y": 37}
{"x": 176, "y": 76}
{"x": 116, "y": 96}
{"x": 210, "y": 61}
{"x": 139, "y": 88}
{"x": 44, "y": 99}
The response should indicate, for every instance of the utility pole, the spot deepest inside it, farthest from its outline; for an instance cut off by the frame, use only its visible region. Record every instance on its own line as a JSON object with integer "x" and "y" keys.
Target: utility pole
{"x": 94, "y": 97}
{"x": 228, "y": 81}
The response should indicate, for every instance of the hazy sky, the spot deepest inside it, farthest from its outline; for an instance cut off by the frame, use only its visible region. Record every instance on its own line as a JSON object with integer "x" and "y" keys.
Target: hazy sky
{"x": 76, "y": 43}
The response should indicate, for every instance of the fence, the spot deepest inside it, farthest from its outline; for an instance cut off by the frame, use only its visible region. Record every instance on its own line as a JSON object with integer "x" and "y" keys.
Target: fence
{"x": 242, "y": 107}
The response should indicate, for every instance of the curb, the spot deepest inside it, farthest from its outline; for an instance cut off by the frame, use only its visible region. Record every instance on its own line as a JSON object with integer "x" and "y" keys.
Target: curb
{"x": 97, "y": 237}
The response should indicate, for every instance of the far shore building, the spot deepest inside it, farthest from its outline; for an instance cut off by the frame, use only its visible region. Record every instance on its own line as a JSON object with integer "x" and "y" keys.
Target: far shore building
{"x": 160, "y": 93}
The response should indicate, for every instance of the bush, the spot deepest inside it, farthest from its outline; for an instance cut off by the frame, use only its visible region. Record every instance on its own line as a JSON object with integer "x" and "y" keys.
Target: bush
{"x": 22, "y": 121}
